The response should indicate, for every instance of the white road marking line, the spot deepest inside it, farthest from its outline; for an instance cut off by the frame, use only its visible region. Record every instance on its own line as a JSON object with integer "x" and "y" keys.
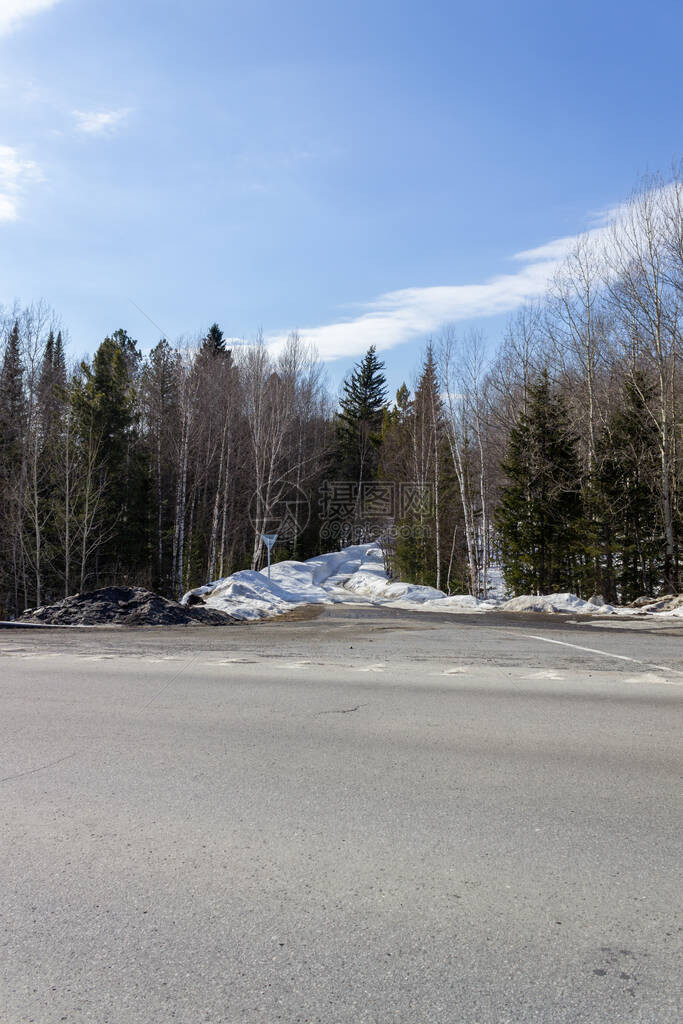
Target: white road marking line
{"x": 605, "y": 654}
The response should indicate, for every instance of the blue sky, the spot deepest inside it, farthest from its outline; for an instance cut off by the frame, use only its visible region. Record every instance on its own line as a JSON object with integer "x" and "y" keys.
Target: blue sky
{"x": 362, "y": 171}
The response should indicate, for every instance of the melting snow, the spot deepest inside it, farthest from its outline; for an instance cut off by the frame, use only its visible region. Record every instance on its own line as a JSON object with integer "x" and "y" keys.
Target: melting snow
{"x": 356, "y": 574}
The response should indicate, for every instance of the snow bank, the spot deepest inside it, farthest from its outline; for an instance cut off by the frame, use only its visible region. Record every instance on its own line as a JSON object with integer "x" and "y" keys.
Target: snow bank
{"x": 320, "y": 580}
{"x": 377, "y": 586}
{"x": 555, "y": 603}
{"x": 665, "y": 606}
{"x": 249, "y": 595}
{"x": 357, "y": 574}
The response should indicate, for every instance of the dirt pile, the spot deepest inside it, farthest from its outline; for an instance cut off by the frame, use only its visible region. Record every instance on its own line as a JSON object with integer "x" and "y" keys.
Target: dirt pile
{"x": 124, "y": 606}
{"x": 668, "y": 603}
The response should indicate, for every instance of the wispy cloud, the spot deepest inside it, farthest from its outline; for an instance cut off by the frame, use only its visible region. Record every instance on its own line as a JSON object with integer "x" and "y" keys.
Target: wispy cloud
{"x": 411, "y": 313}
{"x": 400, "y": 316}
{"x": 15, "y": 172}
{"x": 551, "y": 251}
{"x": 13, "y": 12}
{"x": 100, "y": 122}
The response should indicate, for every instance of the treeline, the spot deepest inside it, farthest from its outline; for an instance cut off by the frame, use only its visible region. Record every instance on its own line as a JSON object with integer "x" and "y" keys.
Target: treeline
{"x": 562, "y": 456}
{"x": 157, "y": 471}
{"x": 557, "y": 456}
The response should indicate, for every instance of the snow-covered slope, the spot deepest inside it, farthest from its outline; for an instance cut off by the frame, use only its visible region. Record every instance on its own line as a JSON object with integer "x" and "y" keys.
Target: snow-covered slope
{"x": 356, "y": 574}
{"x": 319, "y": 580}
{"x": 556, "y": 603}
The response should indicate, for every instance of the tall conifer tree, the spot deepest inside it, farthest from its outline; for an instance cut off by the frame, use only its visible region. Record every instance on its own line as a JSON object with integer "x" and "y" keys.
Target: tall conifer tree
{"x": 626, "y": 497}
{"x": 539, "y": 518}
{"x": 12, "y": 403}
{"x": 359, "y": 423}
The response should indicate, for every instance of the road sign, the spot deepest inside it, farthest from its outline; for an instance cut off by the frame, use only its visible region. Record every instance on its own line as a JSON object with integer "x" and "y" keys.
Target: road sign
{"x": 269, "y": 539}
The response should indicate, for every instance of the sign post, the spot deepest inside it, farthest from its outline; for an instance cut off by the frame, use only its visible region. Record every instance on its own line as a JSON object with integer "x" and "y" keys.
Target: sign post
{"x": 269, "y": 539}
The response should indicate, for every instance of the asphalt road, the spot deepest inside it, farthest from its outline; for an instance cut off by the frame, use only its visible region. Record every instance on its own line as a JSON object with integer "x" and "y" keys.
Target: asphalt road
{"x": 365, "y": 816}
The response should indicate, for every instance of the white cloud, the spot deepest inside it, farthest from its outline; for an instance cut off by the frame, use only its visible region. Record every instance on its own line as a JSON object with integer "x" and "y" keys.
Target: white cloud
{"x": 12, "y": 12}
{"x": 99, "y": 122}
{"x": 411, "y": 313}
{"x": 14, "y": 173}
{"x": 555, "y": 250}
{"x": 400, "y": 316}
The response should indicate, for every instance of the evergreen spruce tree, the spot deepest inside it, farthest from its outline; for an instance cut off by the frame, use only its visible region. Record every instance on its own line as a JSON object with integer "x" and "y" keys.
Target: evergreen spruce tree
{"x": 46, "y": 388}
{"x": 415, "y": 553}
{"x": 106, "y": 409}
{"x": 47, "y": 365}
{"x": 539, "y": 518}
{"x": 214, "y": 342}
{"x": 626, "y": 496}
{"x": 130, "y": 352}
{"x": 13, "y": 419}
{"x": 160, "y": 380}
{"x": 59, "y": 362}
{"x": 359, "y": 421}
{"x": 52, "y": 424}
{"x": 12, "y": 405}
{"x": 44, "y": 471}
{"x": 402, "y": 400}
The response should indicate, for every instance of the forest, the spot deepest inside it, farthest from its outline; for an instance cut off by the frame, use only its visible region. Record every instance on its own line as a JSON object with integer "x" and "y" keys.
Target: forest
{"x": 556, "y": 454}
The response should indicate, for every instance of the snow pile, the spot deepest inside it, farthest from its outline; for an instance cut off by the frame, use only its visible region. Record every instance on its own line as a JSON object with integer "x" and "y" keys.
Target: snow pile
{"x": 461, "y": 603}
{"x": 672, "y": 605}
{"x": 378, "y": 587}
{"x": 356, "y": 574}
{"x": 320, "y": 580}
{"x": 495, "y": 583}
{"x": 250, "y": 595}
{"x": 555, "y": 603}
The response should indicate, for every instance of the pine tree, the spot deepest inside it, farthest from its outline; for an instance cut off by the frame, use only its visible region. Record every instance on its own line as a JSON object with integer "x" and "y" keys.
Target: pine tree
{"x": 13, "y": 421}
{"x": 417, "y": 556}
{"x": 359, "y": 421}
{"x": 59, "y": 363}
{"x": 402, "y": 399}
{"x": 214, "y": 342}
{"x": 395, "y": 442}
{"x": 46, "y": 388}
{"x": 12, "y": 405}
{"x": 130, "y": 352}
{"x": 46, "y": 465}
{"x": 106, "y": 410}
{"x": 539, "y": 517}
{"x": 46, "y": 369}
{"x": 161, "y": 385}
{"x": 626, "y": 496}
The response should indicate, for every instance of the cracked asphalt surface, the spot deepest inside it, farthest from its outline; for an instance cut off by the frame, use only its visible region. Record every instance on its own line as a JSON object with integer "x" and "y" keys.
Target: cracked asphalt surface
{"x": 362, "y": 815}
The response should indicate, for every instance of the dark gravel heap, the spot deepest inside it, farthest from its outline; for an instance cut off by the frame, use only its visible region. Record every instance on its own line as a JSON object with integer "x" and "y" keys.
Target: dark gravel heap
{"x": 124, "y": 606}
